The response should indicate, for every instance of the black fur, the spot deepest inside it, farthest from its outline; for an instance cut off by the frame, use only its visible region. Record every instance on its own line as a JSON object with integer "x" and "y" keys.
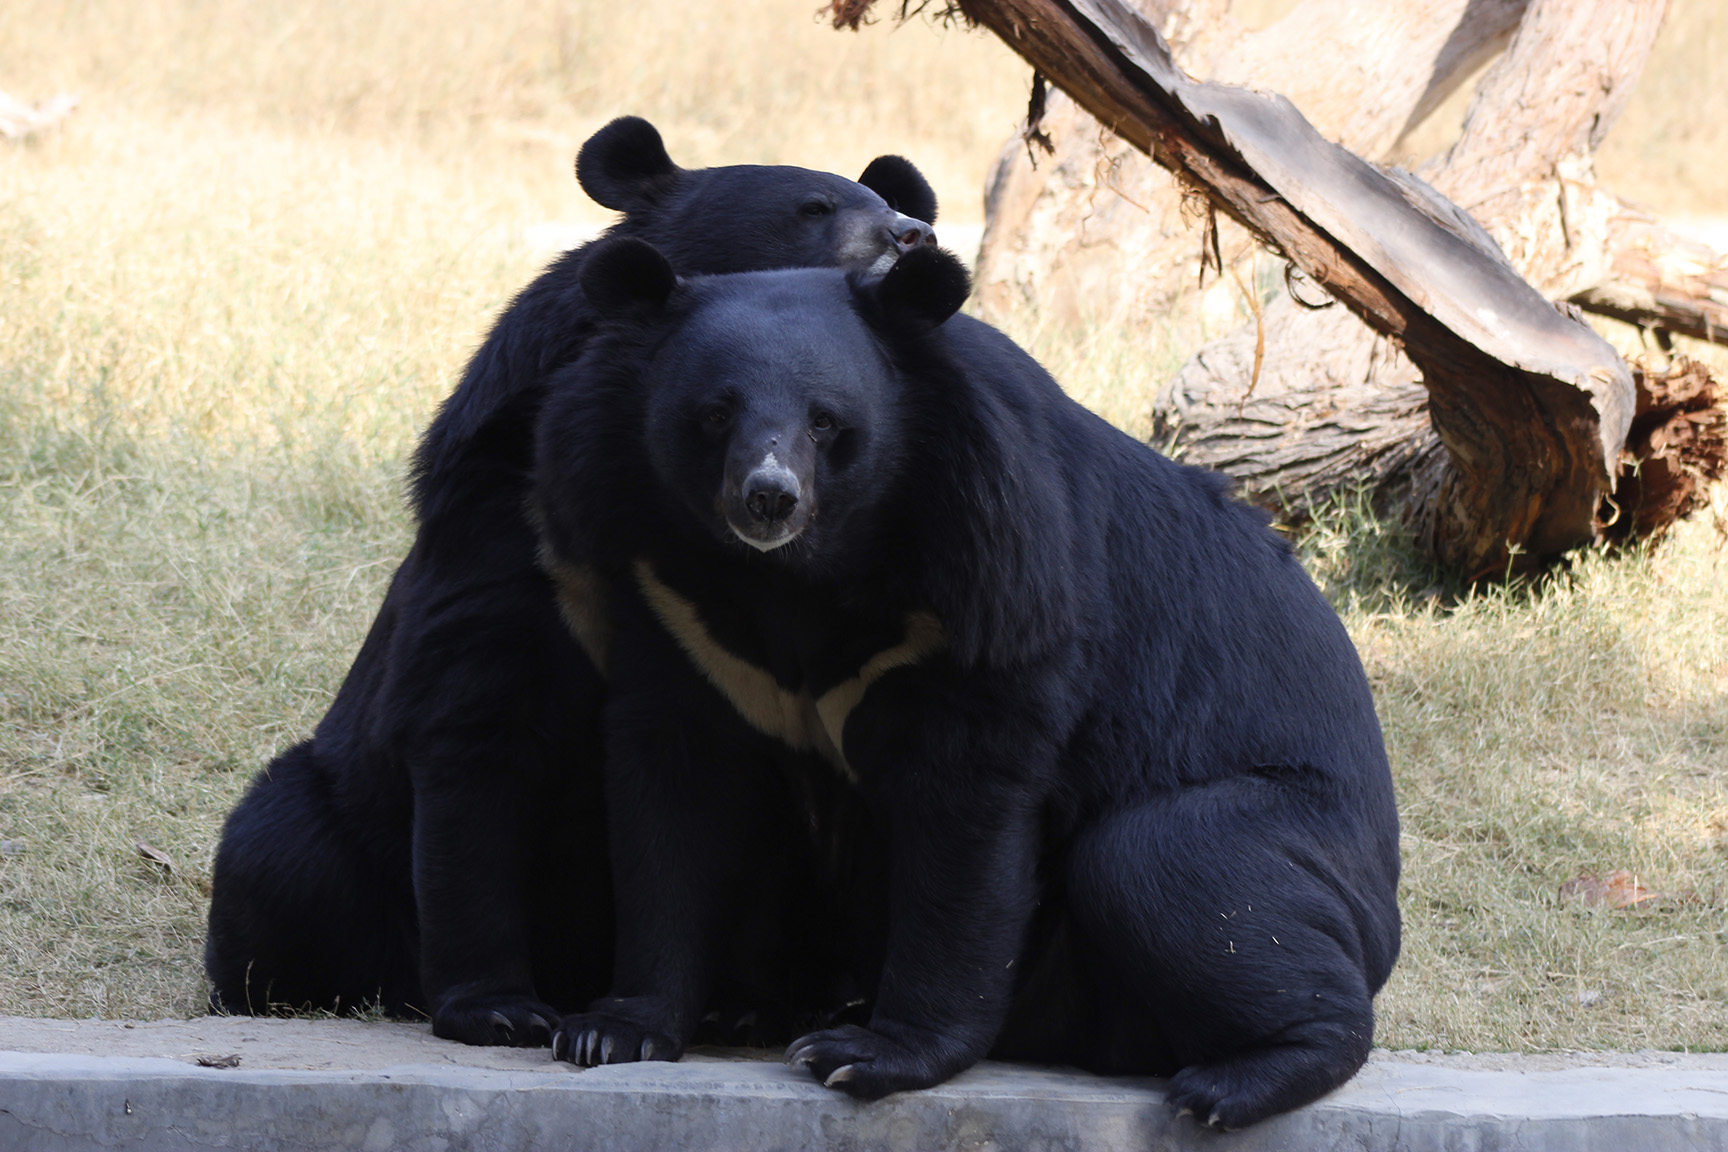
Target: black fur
{"x": 439, "y": 844}
{"x": 1134, "y": 815}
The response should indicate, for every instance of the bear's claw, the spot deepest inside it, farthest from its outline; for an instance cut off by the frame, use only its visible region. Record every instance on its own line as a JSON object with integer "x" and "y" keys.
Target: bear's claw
{"x": 593, "y": 1038}
{"x": 513, "y": 1021}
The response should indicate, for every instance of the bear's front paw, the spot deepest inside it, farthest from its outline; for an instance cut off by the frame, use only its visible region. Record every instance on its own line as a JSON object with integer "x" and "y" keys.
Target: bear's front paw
{"x": 865, "y": 1064}
{"x": 497, "y": 1020}
{"x": 614, "y": 1034}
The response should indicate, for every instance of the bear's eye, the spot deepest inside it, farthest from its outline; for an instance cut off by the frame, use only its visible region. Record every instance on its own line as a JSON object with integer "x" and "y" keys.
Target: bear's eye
{"x": 717, "y": 417}
{"x": 815, "y": 208}
{"x": 822, "y": 421}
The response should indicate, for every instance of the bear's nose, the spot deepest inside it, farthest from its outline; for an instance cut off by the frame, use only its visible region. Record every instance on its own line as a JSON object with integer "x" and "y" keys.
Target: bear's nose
{"x": 910, "y": 234}
{"x": 769, "y": 501}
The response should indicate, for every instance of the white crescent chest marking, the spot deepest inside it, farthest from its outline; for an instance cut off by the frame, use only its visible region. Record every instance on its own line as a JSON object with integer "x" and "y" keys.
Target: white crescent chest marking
{"x": 582, "y": 604}
{"x": 805, "y": 723}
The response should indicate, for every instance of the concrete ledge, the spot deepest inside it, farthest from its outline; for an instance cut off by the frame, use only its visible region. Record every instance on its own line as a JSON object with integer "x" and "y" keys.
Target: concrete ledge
{"x": 346, "y": 1085}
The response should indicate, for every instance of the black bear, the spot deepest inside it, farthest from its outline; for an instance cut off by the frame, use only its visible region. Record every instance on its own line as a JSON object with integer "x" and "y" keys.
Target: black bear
{"x": 439, "y": 844}
{"x": 1121, "y": 798}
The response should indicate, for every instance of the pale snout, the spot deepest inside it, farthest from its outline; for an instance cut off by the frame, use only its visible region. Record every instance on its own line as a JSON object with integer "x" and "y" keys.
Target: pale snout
{"x": 769, "y": 505}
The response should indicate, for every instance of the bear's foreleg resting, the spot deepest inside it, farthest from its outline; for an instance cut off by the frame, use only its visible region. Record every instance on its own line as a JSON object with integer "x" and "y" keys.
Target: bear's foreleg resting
{"x": 693, "y": 804}
{"x": 955, "y": 933}
{"x": 957, "y": 774}
{"x": 470, "y": 866}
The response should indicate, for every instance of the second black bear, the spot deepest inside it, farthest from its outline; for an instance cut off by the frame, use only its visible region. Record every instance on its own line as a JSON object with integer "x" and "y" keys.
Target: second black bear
{"x": 1118, "y": 794}
{"x": 439, "y": 844}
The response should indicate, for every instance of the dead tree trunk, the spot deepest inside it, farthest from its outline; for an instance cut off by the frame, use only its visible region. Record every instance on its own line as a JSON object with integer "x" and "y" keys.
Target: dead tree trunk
{"x": 1523, "y": 167}
{"x": 1529, "y": 436}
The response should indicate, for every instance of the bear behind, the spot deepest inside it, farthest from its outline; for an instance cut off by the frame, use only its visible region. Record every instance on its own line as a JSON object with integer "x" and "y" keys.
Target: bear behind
{"x": 439, "y": 845}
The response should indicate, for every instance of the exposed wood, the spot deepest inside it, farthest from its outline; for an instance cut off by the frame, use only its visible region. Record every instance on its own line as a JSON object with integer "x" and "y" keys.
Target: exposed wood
{"x": 1383, "y": 68}
{"x": 1334, "y": 412}
{"x": 1556, "y": 92}
{"x": 1678, "y": 446}
{"x": 1531, "y": 406}
{"x": 1331, "y": 411}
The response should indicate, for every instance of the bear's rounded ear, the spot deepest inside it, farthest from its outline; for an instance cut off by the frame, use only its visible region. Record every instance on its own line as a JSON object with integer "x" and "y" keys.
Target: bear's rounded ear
{"x": 624, "y": 165}
{"x": 925, "y": 286}
{"x": 627, "y": 277}
{"x": 895, "y": 180}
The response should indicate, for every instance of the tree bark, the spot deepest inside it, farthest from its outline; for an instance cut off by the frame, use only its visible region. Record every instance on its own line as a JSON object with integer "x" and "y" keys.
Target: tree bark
{"x": 1331, "y": 411}
{"x": 1095, "y": 231}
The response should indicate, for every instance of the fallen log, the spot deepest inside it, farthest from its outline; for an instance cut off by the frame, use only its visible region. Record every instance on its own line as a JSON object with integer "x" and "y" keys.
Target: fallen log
{"x": 1297, "y": 405}
{"x": 1530, "y": 405}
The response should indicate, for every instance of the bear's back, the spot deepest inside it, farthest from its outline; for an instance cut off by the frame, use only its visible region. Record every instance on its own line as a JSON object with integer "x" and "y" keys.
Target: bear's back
{"x": 1171, "y": 574}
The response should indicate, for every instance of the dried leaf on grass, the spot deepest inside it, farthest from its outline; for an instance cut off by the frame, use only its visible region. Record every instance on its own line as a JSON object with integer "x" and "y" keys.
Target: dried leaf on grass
{"x": 150, "y": 852}
{"x": 1618, "y": 889}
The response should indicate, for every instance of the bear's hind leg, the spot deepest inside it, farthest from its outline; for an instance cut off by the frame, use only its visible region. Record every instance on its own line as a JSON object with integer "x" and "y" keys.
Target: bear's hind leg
{"x": 1253, "y": 929}
{"x": 300, "y": 917}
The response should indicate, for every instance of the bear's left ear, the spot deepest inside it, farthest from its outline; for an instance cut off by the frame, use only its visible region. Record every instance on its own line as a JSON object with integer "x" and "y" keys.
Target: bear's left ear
{"x": 627, "y": 277}
{"x": 925, "y": 286}
{"x": 896, "y": 180}
{"x": 624, "y": 166}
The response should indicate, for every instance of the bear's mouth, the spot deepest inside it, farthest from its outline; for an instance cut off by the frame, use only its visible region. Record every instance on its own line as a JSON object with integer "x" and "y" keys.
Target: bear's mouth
{"x": 883, "y": 263}
{"x": 765, "y": 534}
{"x": 764, "y": 542}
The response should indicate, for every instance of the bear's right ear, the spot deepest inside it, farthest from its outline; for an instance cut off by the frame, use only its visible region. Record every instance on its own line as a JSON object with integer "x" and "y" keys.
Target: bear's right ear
{"x": 624, "y": 166}
{"x": 898, "y": 181}
{"x": 627, "y": 277}
{"x": 925, "y": 286}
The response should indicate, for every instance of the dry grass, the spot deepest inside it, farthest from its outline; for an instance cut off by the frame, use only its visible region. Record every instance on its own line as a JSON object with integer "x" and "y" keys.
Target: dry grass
{"x": 515, "y": 90}
{"x": 235, "y": 283}
{"x": 1537, "y": 732}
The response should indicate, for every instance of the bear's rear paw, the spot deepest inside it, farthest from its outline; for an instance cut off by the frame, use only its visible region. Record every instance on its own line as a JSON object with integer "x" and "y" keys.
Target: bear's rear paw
{"x": 1209, "y": 1094}
{"x": 615, "y": 1031}
{"x": 735, "y": 1026}
{"x": 1239, "y": 1091}
{"x": 495, "y": 1020}
{"x": 866, "y": 1064}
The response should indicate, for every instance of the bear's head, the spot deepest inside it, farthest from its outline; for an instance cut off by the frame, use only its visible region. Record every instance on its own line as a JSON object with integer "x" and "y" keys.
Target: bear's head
{"x": 768, "y": 405}
{"x": 820, "y": 425}
{"x": 752, "y": 216}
